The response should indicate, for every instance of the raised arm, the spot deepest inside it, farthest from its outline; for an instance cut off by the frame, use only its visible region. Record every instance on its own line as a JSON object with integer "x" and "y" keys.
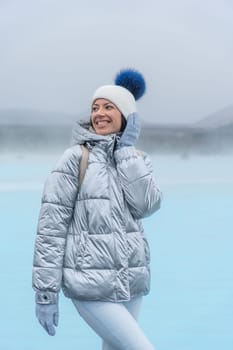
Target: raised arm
{"x": 137, "y": 180}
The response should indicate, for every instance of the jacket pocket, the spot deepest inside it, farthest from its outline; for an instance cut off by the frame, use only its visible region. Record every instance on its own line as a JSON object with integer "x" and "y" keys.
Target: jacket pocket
{"x": 81, "y": 249}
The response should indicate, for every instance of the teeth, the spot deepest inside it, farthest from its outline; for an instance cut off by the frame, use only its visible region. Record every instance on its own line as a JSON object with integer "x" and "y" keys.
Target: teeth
{"x": 102, "y": 122}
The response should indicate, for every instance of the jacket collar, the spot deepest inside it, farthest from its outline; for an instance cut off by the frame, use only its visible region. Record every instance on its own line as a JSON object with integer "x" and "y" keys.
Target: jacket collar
{"x": 83, "y": 133}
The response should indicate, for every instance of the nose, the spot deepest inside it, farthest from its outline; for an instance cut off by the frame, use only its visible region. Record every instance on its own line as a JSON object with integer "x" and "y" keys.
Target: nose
{"x": 101, "y": 111}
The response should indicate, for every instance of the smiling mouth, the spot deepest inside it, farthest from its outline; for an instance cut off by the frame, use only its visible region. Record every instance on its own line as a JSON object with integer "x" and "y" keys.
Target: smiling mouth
{"x": 101, "y": 123}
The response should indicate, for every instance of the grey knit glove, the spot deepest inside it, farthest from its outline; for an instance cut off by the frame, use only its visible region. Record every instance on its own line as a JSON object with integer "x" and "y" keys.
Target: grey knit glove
{"x": 132, "y": 130}
{"x": 47, "y": 315}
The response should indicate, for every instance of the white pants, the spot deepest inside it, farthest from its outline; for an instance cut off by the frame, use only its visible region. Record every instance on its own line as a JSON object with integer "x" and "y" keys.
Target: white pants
{"x": 115, "y": 323}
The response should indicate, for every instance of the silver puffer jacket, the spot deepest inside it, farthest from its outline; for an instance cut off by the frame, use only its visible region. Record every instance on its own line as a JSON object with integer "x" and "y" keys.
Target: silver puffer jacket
{"x": 90, "y": 241}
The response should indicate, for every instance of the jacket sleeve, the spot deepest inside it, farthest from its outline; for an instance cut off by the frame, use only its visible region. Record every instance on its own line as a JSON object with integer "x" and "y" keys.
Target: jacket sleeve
{"x": 138, "y": 183}
{"x": 56, "y": 211}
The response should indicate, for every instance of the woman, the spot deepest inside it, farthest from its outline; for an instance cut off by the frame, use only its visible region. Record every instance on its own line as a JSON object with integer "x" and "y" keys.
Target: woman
{"x": 90, "y": 239}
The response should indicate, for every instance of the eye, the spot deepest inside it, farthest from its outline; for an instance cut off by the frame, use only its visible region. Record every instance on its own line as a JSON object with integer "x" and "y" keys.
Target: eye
{"x": 94, "y": 108}
{"x": 109, "y": 107}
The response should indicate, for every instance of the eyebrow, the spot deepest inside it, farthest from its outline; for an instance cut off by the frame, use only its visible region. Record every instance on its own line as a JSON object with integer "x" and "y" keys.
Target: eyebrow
{"x": 107, "y": 103}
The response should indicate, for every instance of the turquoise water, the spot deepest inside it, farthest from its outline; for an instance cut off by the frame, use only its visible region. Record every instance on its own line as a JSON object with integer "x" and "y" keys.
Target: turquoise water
{"x": 191, "y": 238}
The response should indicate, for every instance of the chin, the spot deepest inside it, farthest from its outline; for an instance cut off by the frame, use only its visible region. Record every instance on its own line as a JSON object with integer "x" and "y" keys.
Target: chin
{"x": 103, "y": 132}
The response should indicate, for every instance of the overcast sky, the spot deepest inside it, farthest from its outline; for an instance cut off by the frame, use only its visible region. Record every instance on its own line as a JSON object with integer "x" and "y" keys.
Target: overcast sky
{"x": 55, "y": 53}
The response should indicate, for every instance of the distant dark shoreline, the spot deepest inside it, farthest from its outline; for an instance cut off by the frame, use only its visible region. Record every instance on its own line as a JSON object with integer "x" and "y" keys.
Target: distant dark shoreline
{"x": 155, "y": 138}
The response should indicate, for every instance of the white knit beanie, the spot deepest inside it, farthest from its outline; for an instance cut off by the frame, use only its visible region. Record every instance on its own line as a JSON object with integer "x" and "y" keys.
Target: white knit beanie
{"x": 129, "y": 87}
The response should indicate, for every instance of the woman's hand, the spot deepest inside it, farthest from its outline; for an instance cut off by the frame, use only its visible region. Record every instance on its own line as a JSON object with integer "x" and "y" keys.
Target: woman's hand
{"x": 132, "y": 130}
{"x": 47, "y": 315}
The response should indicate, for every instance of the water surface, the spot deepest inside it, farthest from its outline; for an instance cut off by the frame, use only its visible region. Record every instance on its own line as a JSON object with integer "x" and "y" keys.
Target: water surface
{"x": 190, "y": 304}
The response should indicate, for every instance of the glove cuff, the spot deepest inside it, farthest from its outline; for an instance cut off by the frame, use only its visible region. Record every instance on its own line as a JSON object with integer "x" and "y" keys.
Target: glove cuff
{"x": 46, "y": 298}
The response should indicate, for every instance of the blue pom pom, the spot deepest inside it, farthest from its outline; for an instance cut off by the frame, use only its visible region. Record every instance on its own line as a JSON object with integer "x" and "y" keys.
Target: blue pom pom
{"x": 133, "y": 81}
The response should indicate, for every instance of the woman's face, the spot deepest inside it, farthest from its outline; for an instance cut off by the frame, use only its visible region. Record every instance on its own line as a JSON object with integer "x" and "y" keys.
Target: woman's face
{"x": 105, "y": 117}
